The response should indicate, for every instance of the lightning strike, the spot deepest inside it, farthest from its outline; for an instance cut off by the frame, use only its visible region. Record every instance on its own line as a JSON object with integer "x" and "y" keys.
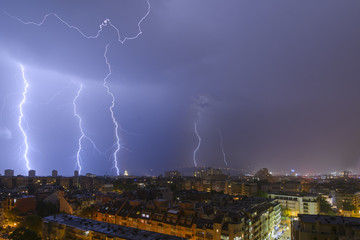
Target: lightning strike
{"x": 222, "y": 147}
{"x": 106, "y": 22}
{"x": 21, "y": 118}
{"x": 78, "y": 153}
{"x": 111, "y": 109}
{"x": 83, "y": 136}
{"x": 199, "y": 143}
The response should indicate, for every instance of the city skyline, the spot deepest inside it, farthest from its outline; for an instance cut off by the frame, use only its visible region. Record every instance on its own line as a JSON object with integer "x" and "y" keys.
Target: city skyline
{"x": 107, "y": 87}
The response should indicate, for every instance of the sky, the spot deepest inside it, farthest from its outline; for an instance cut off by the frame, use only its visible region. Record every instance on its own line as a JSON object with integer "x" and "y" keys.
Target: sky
{"x": 279, "y": 79}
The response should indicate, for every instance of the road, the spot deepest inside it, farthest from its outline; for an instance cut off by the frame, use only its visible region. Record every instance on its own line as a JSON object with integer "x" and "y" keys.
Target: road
{"x": 284, "y": 232}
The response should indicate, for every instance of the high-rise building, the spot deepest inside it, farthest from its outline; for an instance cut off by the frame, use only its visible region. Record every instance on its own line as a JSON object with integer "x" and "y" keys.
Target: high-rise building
{"x": 76, "y": 173}
{"x": 32, "y": 173}
{"x": 54, "y": 173}
{"x": 9, "y": 173}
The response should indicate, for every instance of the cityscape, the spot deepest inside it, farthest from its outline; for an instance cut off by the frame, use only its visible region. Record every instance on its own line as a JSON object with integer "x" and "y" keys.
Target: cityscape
{"x": 179, "y": 119}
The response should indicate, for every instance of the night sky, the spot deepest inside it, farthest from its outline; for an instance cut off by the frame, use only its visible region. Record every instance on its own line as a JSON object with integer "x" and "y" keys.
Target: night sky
{"x": 280, "y": 79}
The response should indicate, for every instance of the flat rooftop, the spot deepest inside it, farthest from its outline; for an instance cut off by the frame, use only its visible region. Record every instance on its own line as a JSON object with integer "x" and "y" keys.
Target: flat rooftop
{"x": 107, "y": 228}
{"x": 326, "y": 219}
{"x": 293, "y": 194}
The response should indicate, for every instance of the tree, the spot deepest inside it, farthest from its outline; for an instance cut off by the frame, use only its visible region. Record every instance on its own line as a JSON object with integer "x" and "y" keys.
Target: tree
{"x": 22, "y": 233}
{"x": 261, "y": 194}
{"x": 46, "y": 208}
{"x": 285, "y": 212}
{"x": 88, "y": 212}
{"x": 124, "y": 186}
{"x": 347, "y": 206}
{"x": 325, "y": 207}
{"x": 12, "y": 216}
{"x": 31, "y": 188}
{"x": 33, "y": 223}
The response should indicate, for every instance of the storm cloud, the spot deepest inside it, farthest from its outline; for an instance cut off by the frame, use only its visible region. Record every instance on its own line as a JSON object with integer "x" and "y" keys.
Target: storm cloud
{"x": 279, "y": 78}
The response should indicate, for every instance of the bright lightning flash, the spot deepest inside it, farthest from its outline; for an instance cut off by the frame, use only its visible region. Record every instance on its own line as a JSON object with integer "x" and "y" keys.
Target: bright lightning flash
{"x": 83, "y": 136}
{"x": 21, "y": 117}
{"x": 199, "y": 143}
{"x": 111, "y": 109}
{"x": 121, "y": 40}
{"x": 105, "y": 23}
{"x": 222, "y": 147}
{"x": 78, "y": 154}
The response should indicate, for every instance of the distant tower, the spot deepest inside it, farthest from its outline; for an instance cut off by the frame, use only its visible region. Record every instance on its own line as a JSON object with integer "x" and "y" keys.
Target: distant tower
{"x": 32, "y": 173}
{"x": 54, "y": 173}
{"x": 9, "y": 173}
{"x": 126, "y": 173}
{"x": 76, "y": 173}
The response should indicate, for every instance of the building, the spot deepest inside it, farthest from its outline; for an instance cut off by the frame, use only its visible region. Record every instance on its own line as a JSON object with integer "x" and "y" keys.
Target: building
{"x": 297, "y": 203}
{"x": 57, "y": 198}
{"x": 54, "y": 173}
{"x": 172, "y": 174}
{"x": 325, "y": 227}
{"x": 32, "y": 173}
{"x": 6, "y": 204}
{"x": 25, "y": 204}
{"x": 210, "y": 173}
{"x": 90, "y": 175}
{"x": 345, "y": 197}
{"x": 241, "y": 188}
{"x": 246, "y": 218}
{"x": 9, "y": 173}
{"x": 71, "y": 227}
{"x": 76, "y": 173}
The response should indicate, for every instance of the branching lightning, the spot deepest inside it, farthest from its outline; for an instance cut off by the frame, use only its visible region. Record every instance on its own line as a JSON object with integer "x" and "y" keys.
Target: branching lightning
{"x": 111, "y": 109}
{"x": 199, "y": 143}
{"x": 78, "y": 154}
{"x": 106, "y": 22}
{"x": 21, "y": 118}
{"x": 83, "y": 136}
{"x": 222, "y": 147}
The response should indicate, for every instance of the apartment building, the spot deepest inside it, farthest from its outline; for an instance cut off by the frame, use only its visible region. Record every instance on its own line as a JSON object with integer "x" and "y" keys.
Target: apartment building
{"x": 248, "y": 218}
{"x": 71, "y": 227}
{"x": 297, "y": 203}
{"x": 325, "y": 227}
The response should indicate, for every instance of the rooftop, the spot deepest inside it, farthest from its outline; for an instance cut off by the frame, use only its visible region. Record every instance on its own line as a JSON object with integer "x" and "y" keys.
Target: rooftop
{"x": 326, "y": 219}
{"x": 107, "y": 228}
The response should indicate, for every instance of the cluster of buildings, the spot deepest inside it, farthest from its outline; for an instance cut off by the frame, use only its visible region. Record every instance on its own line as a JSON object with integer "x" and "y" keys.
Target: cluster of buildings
{"x": 208, "y": 205}
{"x": 87, "y": 182}
{"x": 198, "y": 216}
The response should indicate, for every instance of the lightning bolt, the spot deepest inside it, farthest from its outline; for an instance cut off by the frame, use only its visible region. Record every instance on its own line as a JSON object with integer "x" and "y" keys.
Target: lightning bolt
{"x": 78, "y": 153}
{"x": 111, "y": 109}
{"x": 83, "y": 136}
{"x": 199, "y": 143}
{"x": 106, "y": 22}
{"x": 222, "y": 147}
{"x": 21, "y": 118}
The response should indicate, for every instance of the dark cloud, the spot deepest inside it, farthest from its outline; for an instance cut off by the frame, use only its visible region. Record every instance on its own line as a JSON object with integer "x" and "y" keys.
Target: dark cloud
{"x": 279, "y": 78}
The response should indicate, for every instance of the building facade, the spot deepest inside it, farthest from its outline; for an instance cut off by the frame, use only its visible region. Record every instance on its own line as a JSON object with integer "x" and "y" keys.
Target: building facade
{"x": 325, "y": 227}
{"x": 248, "y": 218}
{"x": 71, "y": 227}
{"x": 297, "y": 203}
